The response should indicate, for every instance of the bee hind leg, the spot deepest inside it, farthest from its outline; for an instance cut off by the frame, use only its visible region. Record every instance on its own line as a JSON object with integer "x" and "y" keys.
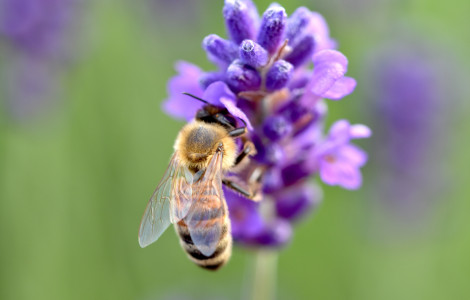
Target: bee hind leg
{"x": 234, "y": 186}
{"x": 244, "y": 153}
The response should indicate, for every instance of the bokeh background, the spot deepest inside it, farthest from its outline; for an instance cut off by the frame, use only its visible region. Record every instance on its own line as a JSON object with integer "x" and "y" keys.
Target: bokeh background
{"x": 83, "y": 143}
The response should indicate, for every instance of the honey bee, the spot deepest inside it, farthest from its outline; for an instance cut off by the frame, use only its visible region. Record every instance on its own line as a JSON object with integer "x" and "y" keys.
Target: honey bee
{"x": 190, "y": 194}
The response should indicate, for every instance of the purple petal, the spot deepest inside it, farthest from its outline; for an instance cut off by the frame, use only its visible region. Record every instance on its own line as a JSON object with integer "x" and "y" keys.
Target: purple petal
{"x": 319, "y": 28}
{"x": 217, "y": 90}
{"x": 354, "y": 155}
{"x": 359, "y": 131}
{"x": 178, "y": 105}
{"x": 341, "y": 88}
{"x": 340, "y": 173}
{"x": 337, "y": 137}
{"x": 330, "y": 66}
{"x": 330, "y": 56}
{"x": 350, "y": 177}
{"x": 219, "y": 94}
{"x": 235, "y": 111}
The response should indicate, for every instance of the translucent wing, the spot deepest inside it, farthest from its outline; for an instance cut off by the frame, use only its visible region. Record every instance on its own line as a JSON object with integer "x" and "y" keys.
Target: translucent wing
{"x": 169, "y": 203}
{"x": 205, "y": 218}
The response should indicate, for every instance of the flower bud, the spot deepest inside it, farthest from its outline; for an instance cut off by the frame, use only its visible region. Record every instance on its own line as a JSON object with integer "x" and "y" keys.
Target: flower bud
{"x": 242, "y": 77}
{"x": 220, "y": 49}
{"x": 296, "y": 171}
{"x": 272, "y": 28}
{"x": 277, "y": 127}
{"x": 297, "y": 24}
{"x": 279, "y": 75}
{"x": 302, "y": 51}
{"x": 241, "y": 18}
{"x": 268, "y": 153}
{"x": 276, "y": 233}
{"x": 295, "y": 202}
{"x": 253, "y": 54}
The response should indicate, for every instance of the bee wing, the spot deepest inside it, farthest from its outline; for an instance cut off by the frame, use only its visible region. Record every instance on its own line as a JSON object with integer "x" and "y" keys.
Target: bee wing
{"x": 169, "y": 203}
{"x": 204, "y": 218}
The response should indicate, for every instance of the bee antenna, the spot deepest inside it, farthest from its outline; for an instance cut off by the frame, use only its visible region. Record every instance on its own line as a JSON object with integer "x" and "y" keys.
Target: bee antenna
{"x": 195, "y": 97}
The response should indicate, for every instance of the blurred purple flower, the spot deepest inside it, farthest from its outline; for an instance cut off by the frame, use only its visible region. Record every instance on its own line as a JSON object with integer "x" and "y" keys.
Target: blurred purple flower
{"x": 37, "y": 35}
{"x": 38, "y": 27}
{"x": 264, "y": 77}
{"x": 410, "y": 114}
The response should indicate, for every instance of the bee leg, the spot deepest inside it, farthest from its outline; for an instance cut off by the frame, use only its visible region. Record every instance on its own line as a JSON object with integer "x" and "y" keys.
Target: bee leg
{"x": 221, "y": 119}
{"x": 237, "y": 188}
{"x": 237, "y": 132}
{"x": 246, "y": 150}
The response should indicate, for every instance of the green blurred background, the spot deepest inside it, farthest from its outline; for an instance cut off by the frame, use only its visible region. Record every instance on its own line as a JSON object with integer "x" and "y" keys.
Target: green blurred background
{"x": 74, "y": 181}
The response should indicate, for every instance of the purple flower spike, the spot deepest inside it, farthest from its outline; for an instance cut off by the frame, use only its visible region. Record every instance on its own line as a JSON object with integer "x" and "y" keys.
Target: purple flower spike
{"x": 219, "y": 49}
{"x": 279, "y": 95}
{"x": 279, "y": 75}
{"x": 253, "y": 54}
{"x": 272, "y": 28}
{"x": 294, "y": 202}
{"x": 302, "y": 51}
{"x": 241, "y": 77}
{"x": 277, "y": 127}
{"x": 241, "y": 19}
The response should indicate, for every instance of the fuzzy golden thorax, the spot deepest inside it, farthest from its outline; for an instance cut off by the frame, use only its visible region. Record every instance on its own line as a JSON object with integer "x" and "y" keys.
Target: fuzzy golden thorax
{"x": 197, "y": 142}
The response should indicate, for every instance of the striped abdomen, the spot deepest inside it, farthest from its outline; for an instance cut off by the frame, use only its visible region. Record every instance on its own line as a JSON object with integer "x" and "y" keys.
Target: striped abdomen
{"x": 213, "y": 213}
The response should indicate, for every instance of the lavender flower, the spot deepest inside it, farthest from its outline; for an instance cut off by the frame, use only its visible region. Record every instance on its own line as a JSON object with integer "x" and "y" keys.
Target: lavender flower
{"x": 264, "y": 77}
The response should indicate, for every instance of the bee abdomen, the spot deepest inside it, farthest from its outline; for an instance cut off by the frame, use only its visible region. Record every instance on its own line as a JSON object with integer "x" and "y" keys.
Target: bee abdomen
{"x": 221, "y": 254}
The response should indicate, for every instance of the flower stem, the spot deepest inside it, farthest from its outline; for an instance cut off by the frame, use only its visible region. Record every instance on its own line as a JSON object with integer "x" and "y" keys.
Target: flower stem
{"x": 263, "y": 269}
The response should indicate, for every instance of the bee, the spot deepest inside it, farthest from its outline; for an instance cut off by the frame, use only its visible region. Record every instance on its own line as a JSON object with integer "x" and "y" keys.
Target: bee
{"x": 190, "y": 194}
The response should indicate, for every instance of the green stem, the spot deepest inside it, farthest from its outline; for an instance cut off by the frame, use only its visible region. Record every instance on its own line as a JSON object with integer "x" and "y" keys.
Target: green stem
{"x": 263, "y": 266}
